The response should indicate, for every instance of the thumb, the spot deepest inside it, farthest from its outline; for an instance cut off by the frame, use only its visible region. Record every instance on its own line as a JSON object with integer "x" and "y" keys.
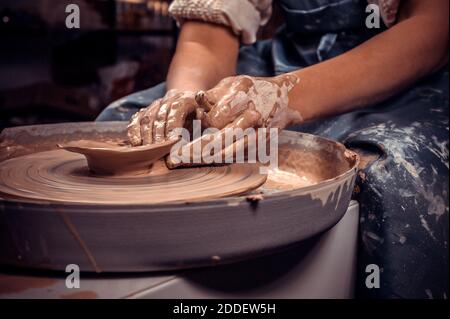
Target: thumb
{"x": 205, "y": 99}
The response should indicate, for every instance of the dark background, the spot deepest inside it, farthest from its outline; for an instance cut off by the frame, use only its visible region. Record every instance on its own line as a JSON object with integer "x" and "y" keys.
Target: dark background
{"x": 50, "y": 73}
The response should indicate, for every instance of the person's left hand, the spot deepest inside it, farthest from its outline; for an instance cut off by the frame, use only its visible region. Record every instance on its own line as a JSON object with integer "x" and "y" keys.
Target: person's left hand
{"x": 246, "y": 101}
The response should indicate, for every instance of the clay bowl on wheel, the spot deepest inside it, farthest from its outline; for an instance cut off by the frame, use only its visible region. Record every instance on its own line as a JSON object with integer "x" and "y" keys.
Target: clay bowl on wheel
{"x": 307, "y": 194}
{"x": 112, "y": 159}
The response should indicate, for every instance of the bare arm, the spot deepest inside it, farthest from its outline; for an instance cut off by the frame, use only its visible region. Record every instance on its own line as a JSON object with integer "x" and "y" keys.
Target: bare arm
{"x": 379, "y": 68}
{"x": 205, "y": 54}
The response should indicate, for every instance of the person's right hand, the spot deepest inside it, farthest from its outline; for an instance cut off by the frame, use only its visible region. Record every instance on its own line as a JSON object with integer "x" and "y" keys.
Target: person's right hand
{"x": 157, "y": 122}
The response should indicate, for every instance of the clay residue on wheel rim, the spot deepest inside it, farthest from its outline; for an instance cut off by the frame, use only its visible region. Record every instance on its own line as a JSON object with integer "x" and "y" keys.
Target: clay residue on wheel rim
{"x": 300, "y": 167}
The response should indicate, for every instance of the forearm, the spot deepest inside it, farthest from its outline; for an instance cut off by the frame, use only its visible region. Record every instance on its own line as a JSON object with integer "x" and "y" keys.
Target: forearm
{"x": 205, "y": 54}
{"x": 379, "y": 68}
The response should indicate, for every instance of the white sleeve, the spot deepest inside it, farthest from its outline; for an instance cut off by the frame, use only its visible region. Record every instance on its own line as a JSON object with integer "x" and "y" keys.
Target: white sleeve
{"x": 243, "y": 17}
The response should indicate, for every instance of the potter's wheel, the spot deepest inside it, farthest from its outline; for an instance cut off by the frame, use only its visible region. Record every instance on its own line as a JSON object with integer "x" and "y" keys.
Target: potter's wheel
{"x": 216, "y": 219}
{"x": 61, "y": 176}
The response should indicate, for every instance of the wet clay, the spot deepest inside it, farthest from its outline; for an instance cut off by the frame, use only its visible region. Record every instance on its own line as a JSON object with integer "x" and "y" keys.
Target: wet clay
{"x": 298, "y": 168}
{"x": 281, "y": 180}
{"x": 61, "y": 176}
{"x": 105, "y": 158}
{"x": 64, "y": 176}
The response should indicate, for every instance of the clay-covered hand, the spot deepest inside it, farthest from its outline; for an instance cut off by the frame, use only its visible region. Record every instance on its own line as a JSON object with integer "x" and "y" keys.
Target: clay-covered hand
{"x": 157, "y": 122}
{"x": 245, "y": 101}
{"x": 241, "y": 102}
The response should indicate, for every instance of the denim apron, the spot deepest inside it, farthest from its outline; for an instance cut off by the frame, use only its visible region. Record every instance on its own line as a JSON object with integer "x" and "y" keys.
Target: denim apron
{"x": 402, "y": 187}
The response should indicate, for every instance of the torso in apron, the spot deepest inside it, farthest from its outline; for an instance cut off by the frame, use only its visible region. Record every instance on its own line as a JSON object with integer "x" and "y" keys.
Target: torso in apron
{"x": 316, "y": 30}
